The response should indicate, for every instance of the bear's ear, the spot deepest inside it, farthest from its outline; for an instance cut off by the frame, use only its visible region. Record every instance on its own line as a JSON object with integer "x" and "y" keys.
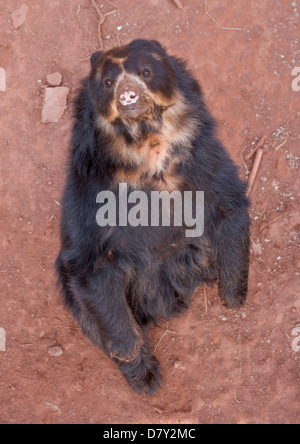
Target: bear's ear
{"x": 157, "y": 44}
{"x": 95, "y": 57}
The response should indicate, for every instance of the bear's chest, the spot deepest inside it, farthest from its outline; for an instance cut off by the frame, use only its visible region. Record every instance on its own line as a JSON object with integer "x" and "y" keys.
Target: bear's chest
{"x": 154, "y": 166}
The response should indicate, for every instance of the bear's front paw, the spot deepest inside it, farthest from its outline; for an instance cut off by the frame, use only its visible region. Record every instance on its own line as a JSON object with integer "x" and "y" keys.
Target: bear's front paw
{"x": 143, "y": 374}
{"x": 234, "y": 300}
{"x": 126, "y": 347}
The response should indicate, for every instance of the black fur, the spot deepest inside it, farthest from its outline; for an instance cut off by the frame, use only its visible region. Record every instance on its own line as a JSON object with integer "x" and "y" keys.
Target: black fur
{"x": 117, "y": 280}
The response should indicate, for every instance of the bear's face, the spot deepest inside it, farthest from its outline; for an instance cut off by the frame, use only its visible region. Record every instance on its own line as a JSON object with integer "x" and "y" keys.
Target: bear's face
{"x": 132, "y": 83}
{"x": 146, "y": 119}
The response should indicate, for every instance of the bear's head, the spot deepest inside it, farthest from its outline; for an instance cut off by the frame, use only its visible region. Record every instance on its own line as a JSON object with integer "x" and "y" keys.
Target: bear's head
{"x": 133, "y": 82}
{"x": 143, "y": 106}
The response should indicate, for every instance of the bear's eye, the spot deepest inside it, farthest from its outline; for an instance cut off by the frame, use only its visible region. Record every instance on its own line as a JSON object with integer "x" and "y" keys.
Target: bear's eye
{"x": 108, "y": 83}
{"x": 146, "y": 73}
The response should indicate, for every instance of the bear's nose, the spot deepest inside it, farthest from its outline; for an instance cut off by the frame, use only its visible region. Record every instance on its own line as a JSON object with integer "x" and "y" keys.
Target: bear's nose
{"x": 130, "y": 99}
{"x": 128, "y": 94}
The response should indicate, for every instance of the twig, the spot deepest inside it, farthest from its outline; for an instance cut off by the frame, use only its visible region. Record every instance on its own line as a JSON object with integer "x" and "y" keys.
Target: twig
{"x": 178, "y": 3}
{"x": 235, "y": 397}
{"x": 256, "y": 165}
{"x": 163, "y": 335}
{"x": 243, "y": 160}
{"x": 110, "y": 12}
{"x": 281, "y": 131}
{"x": 101, "y": 16}
{"x": 209, "y": 15}
{"x": 276, "y": 219}
{"x": 282, "y": 144}
{"x": 118, "y": 40}
{"x": 111, "y": 3}
{"x": 240, "y": 353}
{"x": 86, "y": 58}
{"x": 228, "y": 28}
{"x": 99, "y": 34}
{"x": 100, "y": 22}
{"x": 258, "y": 146}
{"x": 205, "y": 298}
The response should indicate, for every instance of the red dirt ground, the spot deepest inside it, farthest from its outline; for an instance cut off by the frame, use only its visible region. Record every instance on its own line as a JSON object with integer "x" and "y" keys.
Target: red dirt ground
{"x": 220, "y": 367}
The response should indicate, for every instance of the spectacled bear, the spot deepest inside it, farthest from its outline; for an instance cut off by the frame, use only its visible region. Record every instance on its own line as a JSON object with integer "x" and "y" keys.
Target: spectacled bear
{"x": 140, "y": 119}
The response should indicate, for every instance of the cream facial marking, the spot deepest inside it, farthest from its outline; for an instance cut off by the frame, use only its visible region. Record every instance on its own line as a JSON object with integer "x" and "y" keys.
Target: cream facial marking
{"x": 129, "y": 98}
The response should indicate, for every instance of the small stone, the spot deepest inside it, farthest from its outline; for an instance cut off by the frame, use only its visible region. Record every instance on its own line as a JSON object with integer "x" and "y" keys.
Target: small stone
{"x": 56, "y": 351}
{"x": 178, "y": 364}
{"x": 2, "y": 340}
{"x": 19, "y": 16}
{"x": 2, "y": 79}
{"x": 257, "y": 249}
{"x": 54, "y": 79}
{"x": 55, "y": 104}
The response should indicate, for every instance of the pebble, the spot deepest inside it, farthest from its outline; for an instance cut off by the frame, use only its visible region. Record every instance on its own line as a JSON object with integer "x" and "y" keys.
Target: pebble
{"x": 178, "y": 364}
{"x": 55, "y": 104}
{"x": 257, "y": 249}
{"x": 54, "y": 79}
{"x": 2, "y": 340}
{"x": 19, "y": 16}
{"x": 56, "y": 351}
{"x": 2, "y": 79}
